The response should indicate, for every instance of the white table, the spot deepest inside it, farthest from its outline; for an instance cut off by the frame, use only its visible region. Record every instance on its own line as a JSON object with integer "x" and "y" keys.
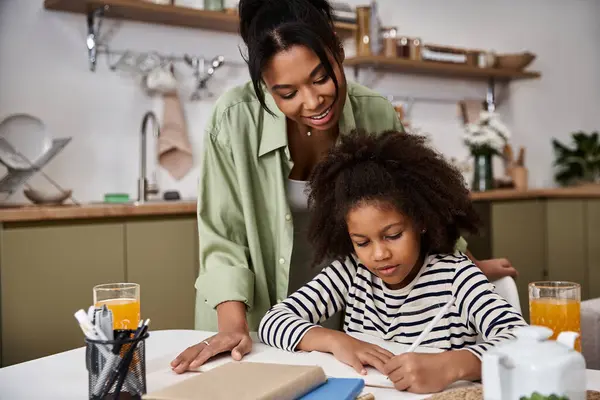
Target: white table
{"x": 63, "y": 376}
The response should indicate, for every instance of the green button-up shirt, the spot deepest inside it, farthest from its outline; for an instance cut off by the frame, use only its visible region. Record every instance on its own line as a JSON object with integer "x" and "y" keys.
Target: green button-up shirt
{"x": 245, "y": 225}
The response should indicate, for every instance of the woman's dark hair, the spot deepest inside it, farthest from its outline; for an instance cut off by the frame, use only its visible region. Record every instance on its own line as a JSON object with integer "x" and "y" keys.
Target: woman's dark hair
{"x": 270, "y": 26}
{"x": 392, "y": 168}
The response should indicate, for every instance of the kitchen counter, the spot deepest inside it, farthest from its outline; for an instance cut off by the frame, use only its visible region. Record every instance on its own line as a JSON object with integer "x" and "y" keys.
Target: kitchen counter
{"x": 158, "y": 208}
{"x": 575, "y": 192}
{"x": 94, "y": 211}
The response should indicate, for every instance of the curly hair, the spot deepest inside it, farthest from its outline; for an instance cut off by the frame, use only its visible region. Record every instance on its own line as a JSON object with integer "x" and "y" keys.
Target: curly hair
{"x": 391, "y": 168}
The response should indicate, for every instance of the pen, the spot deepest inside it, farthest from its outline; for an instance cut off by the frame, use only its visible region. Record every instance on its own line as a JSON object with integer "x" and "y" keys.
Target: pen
{"x": 90, "y": 313}
{"x": 90, "y": 331}
{"x": 119, "y": 371}
{"x": 129, "y": 356}
{"x": 430, "y": 326}
{"x": 106, "y": 322}
{"x": 88, "y": 328}
{"x": 107, "y": 379}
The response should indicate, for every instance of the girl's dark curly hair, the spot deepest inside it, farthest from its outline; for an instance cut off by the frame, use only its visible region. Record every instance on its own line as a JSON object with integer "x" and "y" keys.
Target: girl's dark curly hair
{"x": 395, "y": 169}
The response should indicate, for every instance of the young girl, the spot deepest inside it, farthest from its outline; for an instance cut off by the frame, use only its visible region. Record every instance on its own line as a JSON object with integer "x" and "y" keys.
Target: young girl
{"x": 391, "y": 209}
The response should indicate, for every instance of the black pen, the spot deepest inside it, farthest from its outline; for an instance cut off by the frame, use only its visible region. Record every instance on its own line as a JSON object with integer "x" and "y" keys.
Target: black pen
{"x": 116, "y": 372}
{"x": 129, "y": 356}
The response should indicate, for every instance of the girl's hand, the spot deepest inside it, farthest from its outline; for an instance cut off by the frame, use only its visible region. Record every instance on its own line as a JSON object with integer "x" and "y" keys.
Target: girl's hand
{"x": 357, "y": 353}
{"x": 239, "y": 343}
{"x": 432, "y": 373}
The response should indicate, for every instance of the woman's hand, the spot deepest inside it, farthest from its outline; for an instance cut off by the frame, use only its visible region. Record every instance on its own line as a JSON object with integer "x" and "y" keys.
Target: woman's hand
{"x": 496, "y": 268}
{"x": 431, "y": 373}
{"x": 239, "y": 343}
{"x": 233, "y": 336}
{"x": 357, "y": 353}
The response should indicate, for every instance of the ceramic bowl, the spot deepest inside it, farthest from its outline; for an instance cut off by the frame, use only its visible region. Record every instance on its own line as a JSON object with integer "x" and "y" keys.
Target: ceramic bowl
{"x": 40, "y": 197}
{"x": 514, "y": 61}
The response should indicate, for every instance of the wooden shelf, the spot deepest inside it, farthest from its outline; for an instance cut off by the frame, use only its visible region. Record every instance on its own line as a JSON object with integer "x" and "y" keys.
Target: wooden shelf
{"x": 142, "y": 11}
{"x": 437, "y": 68}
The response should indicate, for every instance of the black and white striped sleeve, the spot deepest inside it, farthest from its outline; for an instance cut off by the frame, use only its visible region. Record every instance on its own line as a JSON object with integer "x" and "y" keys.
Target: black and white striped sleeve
{"x": 286, "y": 323}
{"x": 486, "y": 311}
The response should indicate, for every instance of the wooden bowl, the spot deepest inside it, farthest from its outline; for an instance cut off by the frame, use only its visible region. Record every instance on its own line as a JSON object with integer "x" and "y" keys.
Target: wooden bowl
{"x": 39, "y": 197}
{"x": 516, "y": 61}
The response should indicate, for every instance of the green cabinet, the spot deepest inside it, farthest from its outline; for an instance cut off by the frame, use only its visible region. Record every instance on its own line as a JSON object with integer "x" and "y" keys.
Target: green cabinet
{"x": 518, "y": 234}
{"x": 545, "y": 239}
{"x": 593, "y": 247}
{"x": 48, "y": 270}
{"x": 47, "y": 273}
{"x": 567, "y": 245}
{"x": 162, "y": 258}
{"x": 480, "y": 245}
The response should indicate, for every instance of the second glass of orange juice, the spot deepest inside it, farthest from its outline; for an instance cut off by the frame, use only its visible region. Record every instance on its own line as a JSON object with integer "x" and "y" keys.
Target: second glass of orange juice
{"x": 123, "y": 299}
{"x": 556, "y": 305}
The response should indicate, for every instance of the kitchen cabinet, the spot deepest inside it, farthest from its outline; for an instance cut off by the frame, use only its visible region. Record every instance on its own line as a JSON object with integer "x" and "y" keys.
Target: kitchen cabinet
{"x": 162, "y": 258}
{"x": 567, "y": 246}
{"x": 1, "y": 296}
{"x": 519, "y": 234}
{"x": 480, "y": 245}
{"x": 593, "y": 247}
{"x": 48, "y": 271}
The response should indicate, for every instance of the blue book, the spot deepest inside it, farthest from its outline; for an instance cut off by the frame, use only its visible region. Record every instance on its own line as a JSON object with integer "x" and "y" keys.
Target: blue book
{"x": 336, "y": 388}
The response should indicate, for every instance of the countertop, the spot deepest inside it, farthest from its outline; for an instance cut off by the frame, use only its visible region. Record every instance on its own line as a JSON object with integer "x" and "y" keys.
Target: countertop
{"x": 95, "y": 211}
{"x": 575, "y": 192}
{"x": 166, "y": 208}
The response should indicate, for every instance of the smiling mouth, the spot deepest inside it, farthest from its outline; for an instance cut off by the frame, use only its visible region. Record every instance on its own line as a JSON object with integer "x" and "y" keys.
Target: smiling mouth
{"x": 322, "y": 115}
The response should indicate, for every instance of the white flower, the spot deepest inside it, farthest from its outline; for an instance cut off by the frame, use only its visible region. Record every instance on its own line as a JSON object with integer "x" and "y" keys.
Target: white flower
{"x": 488, "y": 131}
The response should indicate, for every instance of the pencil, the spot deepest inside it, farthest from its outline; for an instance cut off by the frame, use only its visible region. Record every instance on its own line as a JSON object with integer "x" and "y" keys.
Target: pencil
{"x": 430, "y": 326}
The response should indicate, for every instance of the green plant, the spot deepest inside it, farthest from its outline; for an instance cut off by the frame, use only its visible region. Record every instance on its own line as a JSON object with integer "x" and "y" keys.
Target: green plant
{"x": 537, "y": 396}
{"x": 580, "y": 163}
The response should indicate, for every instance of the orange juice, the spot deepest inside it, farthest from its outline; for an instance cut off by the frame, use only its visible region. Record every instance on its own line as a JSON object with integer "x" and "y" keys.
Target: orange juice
{"x": 557, "y": 314}
{"x": 126, "y": 312}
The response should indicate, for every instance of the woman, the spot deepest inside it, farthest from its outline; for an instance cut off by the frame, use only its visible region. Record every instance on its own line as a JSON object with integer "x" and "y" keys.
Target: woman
{"x": 261, "y": 144}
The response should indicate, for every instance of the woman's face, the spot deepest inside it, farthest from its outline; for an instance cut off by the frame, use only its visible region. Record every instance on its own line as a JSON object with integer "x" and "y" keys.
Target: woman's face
{"x": 386, "y": 241}
{"x": 302, "y": 89}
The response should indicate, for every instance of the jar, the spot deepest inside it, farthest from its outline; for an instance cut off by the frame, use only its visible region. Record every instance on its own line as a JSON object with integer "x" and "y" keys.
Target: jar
{"x": 415, "y": 49}
{"x": 389, "y": 42}
{"x": 214, "y": 5}
{"x": 472, "y": 57}
{"x": 363, "y": 31}
{"x": 403, "y": 48}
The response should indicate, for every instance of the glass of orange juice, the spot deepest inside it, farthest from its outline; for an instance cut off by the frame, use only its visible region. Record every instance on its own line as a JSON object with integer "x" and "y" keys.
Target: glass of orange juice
{"x": 556, "y": 305}
{"x": 123, "y": 299}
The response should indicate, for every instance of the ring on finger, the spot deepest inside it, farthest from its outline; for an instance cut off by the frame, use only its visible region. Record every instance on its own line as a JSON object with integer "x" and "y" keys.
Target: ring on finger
{"x": 206, "y": 343}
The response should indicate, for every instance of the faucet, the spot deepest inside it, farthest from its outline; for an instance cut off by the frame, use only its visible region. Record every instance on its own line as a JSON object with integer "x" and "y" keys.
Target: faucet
{"x": 145, "y": 188}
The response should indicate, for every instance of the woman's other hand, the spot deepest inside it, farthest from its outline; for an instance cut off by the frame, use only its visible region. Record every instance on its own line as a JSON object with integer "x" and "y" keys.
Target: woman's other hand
{"x": 496, "y": 268}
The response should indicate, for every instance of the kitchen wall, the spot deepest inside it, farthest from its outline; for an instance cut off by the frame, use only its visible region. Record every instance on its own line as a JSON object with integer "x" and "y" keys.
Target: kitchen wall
{"x": 44, "y": 72}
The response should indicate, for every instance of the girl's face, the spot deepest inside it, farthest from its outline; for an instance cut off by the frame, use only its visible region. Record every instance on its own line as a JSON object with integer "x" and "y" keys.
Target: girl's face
{"x": 386, "y": 242}
{"x": 302, "y": 89}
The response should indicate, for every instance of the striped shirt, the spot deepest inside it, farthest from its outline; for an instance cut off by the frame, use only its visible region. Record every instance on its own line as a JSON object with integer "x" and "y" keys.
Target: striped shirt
{"x": 478, "y": 319}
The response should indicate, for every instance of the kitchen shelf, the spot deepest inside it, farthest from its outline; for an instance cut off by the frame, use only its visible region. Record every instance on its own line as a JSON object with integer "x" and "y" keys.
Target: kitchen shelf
{"x": 437, "y": 68}
{"x": 142, "y": 11}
